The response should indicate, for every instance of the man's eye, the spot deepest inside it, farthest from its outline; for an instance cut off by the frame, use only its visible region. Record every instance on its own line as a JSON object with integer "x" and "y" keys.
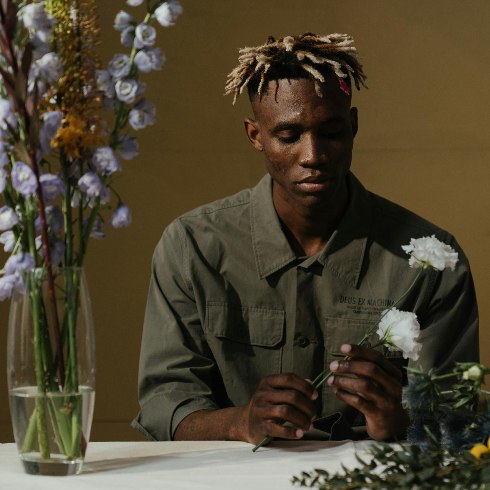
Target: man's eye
{"x": 288, "y": 139}
{"x": 333, "y": 134}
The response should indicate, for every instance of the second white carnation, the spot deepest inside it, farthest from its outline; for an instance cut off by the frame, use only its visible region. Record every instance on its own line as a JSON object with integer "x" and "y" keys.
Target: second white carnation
{"x": 398, "y": 330}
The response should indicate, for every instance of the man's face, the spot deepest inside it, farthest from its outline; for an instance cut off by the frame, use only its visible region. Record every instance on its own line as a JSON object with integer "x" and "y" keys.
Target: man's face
{"x": 305, "y": 136}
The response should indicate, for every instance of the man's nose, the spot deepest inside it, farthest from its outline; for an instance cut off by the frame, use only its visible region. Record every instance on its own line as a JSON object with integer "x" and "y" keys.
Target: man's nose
{"x": 313, "y": 151}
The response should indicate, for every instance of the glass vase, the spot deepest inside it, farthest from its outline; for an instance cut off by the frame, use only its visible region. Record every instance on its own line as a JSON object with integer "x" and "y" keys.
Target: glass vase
{"x": 51, "y": 371}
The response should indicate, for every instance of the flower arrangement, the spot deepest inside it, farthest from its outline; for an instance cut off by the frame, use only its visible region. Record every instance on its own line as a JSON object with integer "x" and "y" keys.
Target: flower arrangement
{"x": 399, "y": 330}
{"x": 450, "y": 441}
{"x": 58, "y": 159}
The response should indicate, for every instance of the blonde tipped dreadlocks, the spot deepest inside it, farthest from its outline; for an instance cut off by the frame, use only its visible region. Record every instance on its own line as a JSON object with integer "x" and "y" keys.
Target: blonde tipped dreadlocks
{"x": 305, "y": 53}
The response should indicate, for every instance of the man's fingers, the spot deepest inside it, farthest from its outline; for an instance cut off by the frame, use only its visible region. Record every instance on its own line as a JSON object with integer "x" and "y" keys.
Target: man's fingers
{"x": 372, "y": 355}
{"x": 356, "y": 401}
{"x": 293, "y": 398}
{"x": 286, "y": 413}
{"x": 364, "y": 388}
{"x": 273, "y": 429}
{"x": 291, "y": 381}
{"x": 371, "y": 371}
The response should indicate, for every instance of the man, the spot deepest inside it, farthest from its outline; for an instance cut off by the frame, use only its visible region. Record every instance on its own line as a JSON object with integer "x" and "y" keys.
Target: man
{"x": 254, "y": 295}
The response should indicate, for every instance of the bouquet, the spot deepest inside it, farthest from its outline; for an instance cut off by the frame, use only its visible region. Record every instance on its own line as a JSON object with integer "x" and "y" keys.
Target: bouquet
{"x": 58, "y": 162}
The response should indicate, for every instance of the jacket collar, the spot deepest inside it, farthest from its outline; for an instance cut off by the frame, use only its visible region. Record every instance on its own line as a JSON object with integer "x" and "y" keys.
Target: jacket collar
{"x": 344, "y": 252}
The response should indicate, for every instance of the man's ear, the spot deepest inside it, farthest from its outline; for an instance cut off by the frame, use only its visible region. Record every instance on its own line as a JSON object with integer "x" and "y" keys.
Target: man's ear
{"x": 353, "y": 120}
{"x": 253, "y": 133}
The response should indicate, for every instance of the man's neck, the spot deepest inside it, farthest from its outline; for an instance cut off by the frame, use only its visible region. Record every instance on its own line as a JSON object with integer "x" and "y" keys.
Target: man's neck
{"x": 309, "y": 229}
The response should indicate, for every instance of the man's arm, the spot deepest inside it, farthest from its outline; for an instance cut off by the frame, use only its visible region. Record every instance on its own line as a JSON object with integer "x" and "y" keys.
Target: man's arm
{"x": 279, "y": 397}
{"x": 177, "y": 368}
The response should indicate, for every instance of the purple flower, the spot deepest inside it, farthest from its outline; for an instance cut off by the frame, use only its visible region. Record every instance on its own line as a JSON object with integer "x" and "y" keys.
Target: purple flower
{"x": 157, "y": 58}
{"x": 126, "y": 90}
{"x": 90, "y": 184}
{"x": 168, "y": 12}
{"x": 127, "y": 146}
{"x": 145, "y": 35}
{"x": 6, "y": 114}
{"x": 123, "y": 20}
{"x": 97, "y": 231}
{"x": 121, "y": 217}
{"x": 105, "y": 83}
{"x": 56, "y": 248}
{"x": 8, "y": 218}
{"x": 52, "y": 186}
{"x": 105, "y": 160}
{"x": 54, "y": 219}
{"x": 3, "y": 179}
{"x": 142, "y": 114}
{"x": 23, "y": 179}
{"x": 7, "y": 284}
{"x": 8, "y": 240}
{"x": 127, "y": 36}
{"x": 120, "y": 65}
{"x": 75, "y": 200}
{"x": 20, "y": 262}
{"x": 52, "y": 121}
{"x": 4, "y": 156}
{"x": 143, "y": 61}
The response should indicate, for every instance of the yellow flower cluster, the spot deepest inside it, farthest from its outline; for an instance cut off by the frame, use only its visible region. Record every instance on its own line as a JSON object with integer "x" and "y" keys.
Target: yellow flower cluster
{"x": 74, "y": 40}
{"x": 479, "y": 449}
{"x": 77, "y": 134}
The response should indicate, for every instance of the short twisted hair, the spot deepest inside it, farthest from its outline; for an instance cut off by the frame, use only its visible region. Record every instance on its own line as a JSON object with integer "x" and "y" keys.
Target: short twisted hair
{"x": 305, "y": 56}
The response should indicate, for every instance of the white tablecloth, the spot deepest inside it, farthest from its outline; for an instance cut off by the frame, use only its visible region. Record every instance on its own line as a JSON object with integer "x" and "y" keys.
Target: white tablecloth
{"x": 187, "y": 465}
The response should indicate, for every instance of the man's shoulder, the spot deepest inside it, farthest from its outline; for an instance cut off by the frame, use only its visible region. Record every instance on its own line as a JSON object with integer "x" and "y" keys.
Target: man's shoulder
{"x": 226, "y": 206}
{"x": 392, "y": 214}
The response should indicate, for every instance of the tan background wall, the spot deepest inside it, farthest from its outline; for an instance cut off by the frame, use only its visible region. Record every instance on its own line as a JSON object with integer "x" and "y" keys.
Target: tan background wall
{"x": 423, "y": 143}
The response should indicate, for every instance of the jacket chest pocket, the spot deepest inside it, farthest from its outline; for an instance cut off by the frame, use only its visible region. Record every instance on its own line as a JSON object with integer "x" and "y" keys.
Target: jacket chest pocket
{"x": 247, "y": 345}
{"x": 340, "y": 331}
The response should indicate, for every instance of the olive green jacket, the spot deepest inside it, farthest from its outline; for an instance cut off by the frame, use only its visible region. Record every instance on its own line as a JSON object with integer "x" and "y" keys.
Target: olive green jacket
{"x": 230, "y": 302}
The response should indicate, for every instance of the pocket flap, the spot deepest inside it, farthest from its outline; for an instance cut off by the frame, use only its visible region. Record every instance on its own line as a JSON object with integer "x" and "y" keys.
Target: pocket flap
{"x": 245, "y": 324}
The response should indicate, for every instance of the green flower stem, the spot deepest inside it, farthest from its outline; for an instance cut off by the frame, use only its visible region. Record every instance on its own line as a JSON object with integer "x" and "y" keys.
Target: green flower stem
{"x": 325, "y": 374}
{"x": 42, "y": 426}
{"x": 55, "y": 424}
{"x": 30, "y": 438}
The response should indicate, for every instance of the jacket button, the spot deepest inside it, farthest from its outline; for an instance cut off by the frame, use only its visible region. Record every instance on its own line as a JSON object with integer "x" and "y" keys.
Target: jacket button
{"x": 303, "y": 342}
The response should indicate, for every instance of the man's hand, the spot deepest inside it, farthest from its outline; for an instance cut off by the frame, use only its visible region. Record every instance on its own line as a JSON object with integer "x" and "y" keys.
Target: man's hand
{"x": 379, "y": 390}
{"x": 279, "y": 397}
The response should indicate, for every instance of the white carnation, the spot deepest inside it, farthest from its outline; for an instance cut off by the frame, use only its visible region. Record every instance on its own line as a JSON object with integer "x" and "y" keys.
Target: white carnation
{"x": 430, "y": 252}
{"x": 398, "y": 330}
{"x": 134, "y": 3}
{"x": 168, "y": 12}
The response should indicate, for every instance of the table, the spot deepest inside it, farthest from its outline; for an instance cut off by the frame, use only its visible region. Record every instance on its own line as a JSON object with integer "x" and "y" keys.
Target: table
{"x": 184, "y": 465}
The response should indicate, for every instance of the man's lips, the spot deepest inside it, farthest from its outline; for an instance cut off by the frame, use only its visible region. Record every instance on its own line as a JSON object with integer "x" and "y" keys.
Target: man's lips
{"x": 315, "y": 182}
{"x": 314, "y": 179}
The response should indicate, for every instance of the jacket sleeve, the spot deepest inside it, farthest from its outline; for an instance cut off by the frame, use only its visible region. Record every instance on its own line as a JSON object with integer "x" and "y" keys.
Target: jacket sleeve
{"x": 450, "y": 322}
{"x": 176, "y": 364}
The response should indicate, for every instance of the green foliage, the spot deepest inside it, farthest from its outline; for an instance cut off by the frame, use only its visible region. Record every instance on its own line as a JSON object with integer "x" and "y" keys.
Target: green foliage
{"x": 405, "y": 467}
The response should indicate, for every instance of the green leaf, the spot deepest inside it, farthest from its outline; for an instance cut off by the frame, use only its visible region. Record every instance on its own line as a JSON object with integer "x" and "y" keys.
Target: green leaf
{"x": 408, "y": 478}
{"x": 322, "y": 472}
{"x": 425, "y": 474}
{"x": 485, "y": 474}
